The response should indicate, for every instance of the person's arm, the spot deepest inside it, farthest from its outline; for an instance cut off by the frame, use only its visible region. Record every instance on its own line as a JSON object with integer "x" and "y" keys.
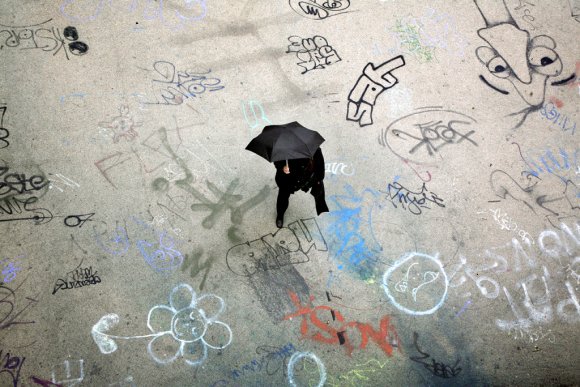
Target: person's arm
{"x": 319, "y": 166}
{"x": 280, "y": 166}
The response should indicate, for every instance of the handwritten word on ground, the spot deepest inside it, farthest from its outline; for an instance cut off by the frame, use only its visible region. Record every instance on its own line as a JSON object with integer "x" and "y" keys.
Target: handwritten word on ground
{"x": 40, "y": 37}
{"x": 77, "y": 278}
{"x": 173, "y": 87}
{"x": 313, "y": 53}
{"x": 411, "y": 201}
{"x": 385, "y": 337}
{"x": 288, "y": 246}
{"x": 422, "y": 136}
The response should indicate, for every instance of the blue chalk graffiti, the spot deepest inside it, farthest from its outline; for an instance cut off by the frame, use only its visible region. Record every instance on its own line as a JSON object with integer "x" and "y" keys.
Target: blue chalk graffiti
{"x": 562, "y": 164}
{"x": 352, "y": 241}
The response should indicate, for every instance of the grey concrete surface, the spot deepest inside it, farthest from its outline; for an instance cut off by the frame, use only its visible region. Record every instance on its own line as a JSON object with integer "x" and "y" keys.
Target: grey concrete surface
{"x": 138, "y": 240}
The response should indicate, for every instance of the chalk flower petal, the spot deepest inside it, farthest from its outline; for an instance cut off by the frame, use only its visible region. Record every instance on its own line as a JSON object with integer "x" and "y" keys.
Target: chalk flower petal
{"x": 194, "y": 353}
{"x": 164, "y": 349}
{"x": 211, "y": 306}
{"x": 159, "y": 319}
{"x": 217, "y": 335}
{"x": 182, "y": 296}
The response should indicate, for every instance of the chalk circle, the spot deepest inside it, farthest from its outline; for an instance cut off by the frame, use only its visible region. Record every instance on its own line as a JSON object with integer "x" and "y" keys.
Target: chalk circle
{"x": 400, "y": 262}
{"x": 300, "y": 355}
{"x": 188, "y": 325}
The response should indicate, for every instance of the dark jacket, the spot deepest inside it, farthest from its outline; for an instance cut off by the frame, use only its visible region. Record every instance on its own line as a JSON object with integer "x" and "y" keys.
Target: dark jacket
{"x": 304, "y": 173}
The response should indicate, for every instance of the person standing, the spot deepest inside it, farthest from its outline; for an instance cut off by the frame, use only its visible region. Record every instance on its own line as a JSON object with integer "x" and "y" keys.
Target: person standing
{"x": 300, "y": 174}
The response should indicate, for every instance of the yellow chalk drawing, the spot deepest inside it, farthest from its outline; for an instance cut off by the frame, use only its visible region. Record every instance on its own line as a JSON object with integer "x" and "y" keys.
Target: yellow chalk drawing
{"x": 355, "y": 377}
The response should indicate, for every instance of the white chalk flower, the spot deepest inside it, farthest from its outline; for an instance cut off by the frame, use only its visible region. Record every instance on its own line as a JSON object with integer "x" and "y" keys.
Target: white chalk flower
{"x": 186, "y": 327}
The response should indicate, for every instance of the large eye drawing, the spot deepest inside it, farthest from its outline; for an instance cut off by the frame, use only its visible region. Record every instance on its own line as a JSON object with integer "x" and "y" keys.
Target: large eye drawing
{"x": 498, "y": 67}
{"x": 545, "y": 61}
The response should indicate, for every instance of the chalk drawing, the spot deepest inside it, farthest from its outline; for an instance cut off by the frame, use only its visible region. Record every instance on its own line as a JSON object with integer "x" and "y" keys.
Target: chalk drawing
{"x": 337, "y": 168}
{"x": 9, "y": 270}
{"x": 64, "y": 180}
{"x": 88, "y": 11}
{"x": 358, "y": 376}
{"x": 301, "y": 355}
{"x": 161, "y": 256}
{"x": 532, "y": 335}
{"x": 184, "y": 329}
{"x": 507, "y": 223}
{"x": 352, "y": 242}
{"x": 420, "y": 279}
{"x": 573, "y": 272}
{"x": 256, "y": 122}
{"x": 540, "y": 309}
{"x": 68, "y": 380}
{"x": 385, "y": 336}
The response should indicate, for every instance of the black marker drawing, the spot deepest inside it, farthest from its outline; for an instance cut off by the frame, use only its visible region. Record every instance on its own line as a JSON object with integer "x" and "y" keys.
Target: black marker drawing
{"x": 436, "y": 368}
{"x": 538, "y": 195}
{"x": 421, "y": 136}
{"x": 410, "y": 200}
{"x": 313, "y": 53}
{"x": 514, "y": 56}
{"x": 11, "y": 365}
{"x": 77, "y": 220}
{"x": 368, "y": 87}
{"x": 14, "y": 183}
{"x": 319, "y": 9}
{"x": 39, "y": 36}
{"x": 9, "y": 314}
{"x": 3, "y": 131}
{"x": 13, "y": 205}
{"x": 77, "y": 278}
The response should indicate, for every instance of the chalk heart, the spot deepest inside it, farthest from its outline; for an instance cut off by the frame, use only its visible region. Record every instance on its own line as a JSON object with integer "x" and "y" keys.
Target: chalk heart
{"x": 105, "y": 343}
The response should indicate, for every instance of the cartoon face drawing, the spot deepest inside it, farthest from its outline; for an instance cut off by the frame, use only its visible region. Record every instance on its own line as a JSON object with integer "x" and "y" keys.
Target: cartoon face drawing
{"x": 513, "y": 55}
{"x": 418, "y": 278}
{"x": 122, "y": 126}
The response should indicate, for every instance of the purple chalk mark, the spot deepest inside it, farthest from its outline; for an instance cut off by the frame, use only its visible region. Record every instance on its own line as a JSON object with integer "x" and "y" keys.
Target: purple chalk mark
{"x": 467, "y": 303}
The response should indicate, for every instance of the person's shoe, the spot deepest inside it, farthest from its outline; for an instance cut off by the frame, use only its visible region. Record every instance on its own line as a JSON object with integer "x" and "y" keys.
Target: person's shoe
{"x": 279, "y": 222}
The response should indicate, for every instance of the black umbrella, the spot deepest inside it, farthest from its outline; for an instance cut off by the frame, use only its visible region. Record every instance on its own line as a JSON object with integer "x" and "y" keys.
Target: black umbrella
{"x": 285, "y": 142}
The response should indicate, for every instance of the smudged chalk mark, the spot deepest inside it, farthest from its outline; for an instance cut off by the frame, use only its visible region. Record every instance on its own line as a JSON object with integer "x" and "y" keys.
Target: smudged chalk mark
{"x": 467, "y": 303}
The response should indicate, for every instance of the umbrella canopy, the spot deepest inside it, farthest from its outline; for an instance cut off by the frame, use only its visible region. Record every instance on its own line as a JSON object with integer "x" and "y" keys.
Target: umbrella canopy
{"x": 285, "y": 142}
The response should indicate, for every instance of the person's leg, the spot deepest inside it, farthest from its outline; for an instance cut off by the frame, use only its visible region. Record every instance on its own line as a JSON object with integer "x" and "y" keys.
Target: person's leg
{"x": 281, "y": 206}
{"x": 319, "y": 198}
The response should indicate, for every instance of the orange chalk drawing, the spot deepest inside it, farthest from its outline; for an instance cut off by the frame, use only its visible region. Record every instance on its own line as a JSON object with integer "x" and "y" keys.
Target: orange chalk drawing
{"x": 385, "y": 337}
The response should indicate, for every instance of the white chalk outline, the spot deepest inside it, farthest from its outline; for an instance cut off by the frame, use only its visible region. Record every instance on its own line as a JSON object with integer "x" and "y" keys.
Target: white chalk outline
{"x": 299, "y": 355}
{"x": 401, "y": 261}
